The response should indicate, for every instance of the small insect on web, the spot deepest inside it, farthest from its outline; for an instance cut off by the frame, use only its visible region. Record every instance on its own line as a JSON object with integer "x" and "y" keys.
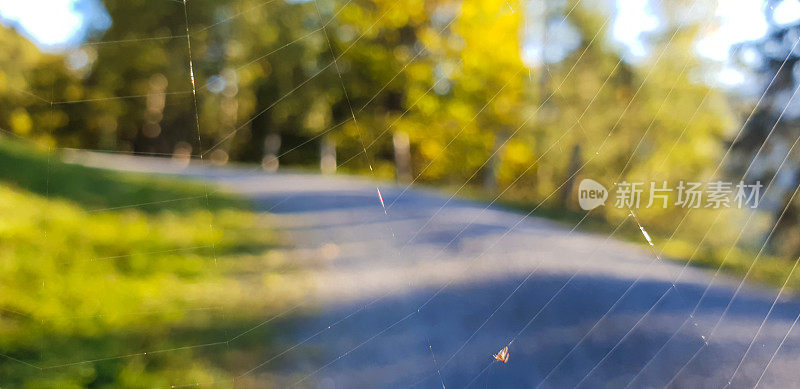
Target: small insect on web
{"x": 502, "y": 355}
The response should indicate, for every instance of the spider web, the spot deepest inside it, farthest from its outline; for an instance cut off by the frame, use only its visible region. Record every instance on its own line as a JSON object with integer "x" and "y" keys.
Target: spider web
{"x": 442, "y": 327}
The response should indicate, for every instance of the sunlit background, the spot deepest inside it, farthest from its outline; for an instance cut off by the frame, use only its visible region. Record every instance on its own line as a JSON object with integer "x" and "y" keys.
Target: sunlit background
{"x": 69, "y": 22}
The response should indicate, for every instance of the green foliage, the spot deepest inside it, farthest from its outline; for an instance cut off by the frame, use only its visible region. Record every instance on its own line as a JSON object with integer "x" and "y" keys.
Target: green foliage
{"x": 79, "y": 284}
{"x": 451, "y": 75}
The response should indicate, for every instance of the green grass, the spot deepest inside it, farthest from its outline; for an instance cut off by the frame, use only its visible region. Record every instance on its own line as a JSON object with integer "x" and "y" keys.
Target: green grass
{"x": 717, "y": 251}
{"x": 42, "y": 174}
{"x": 87, "y": 277}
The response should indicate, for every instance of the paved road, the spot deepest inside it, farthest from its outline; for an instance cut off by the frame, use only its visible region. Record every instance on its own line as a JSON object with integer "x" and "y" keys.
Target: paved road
{"x": 406, "y": 295}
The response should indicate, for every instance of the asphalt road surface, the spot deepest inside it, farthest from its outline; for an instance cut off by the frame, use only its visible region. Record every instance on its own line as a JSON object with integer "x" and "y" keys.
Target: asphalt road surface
{"x": 423, "y": 294}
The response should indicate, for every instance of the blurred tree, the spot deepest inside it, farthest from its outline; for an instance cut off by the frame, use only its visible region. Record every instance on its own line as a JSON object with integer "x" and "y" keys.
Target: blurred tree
{"x": 458, "y": 80}
{"x": 769, "y": 136}
{"x": 29, "y": 82}
{"x": 268, "y": 67}
{"x": 147, "y": 57}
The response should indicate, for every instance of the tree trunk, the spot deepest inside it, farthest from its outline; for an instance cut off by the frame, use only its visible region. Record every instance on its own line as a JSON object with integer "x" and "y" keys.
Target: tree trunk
{"x": 491, "y": 179}
{"x": 572, "y": 170}
{"x": 782, "y": 236}
{"x": 229, "y": 114}
{"x": 402, "y": 156}
{"x": 272, "y": 144}
{"x": 327, "y": 155}
{"x": 154, "y": 113}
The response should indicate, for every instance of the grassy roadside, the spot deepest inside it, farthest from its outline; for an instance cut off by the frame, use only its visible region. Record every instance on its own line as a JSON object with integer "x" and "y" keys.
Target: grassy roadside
{"x": 95, "y": 265}
{"x": 715, "y": 252}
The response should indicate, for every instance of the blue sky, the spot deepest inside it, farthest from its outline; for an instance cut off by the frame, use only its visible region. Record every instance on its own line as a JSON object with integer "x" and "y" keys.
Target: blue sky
{"x": 64, "y": 23}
